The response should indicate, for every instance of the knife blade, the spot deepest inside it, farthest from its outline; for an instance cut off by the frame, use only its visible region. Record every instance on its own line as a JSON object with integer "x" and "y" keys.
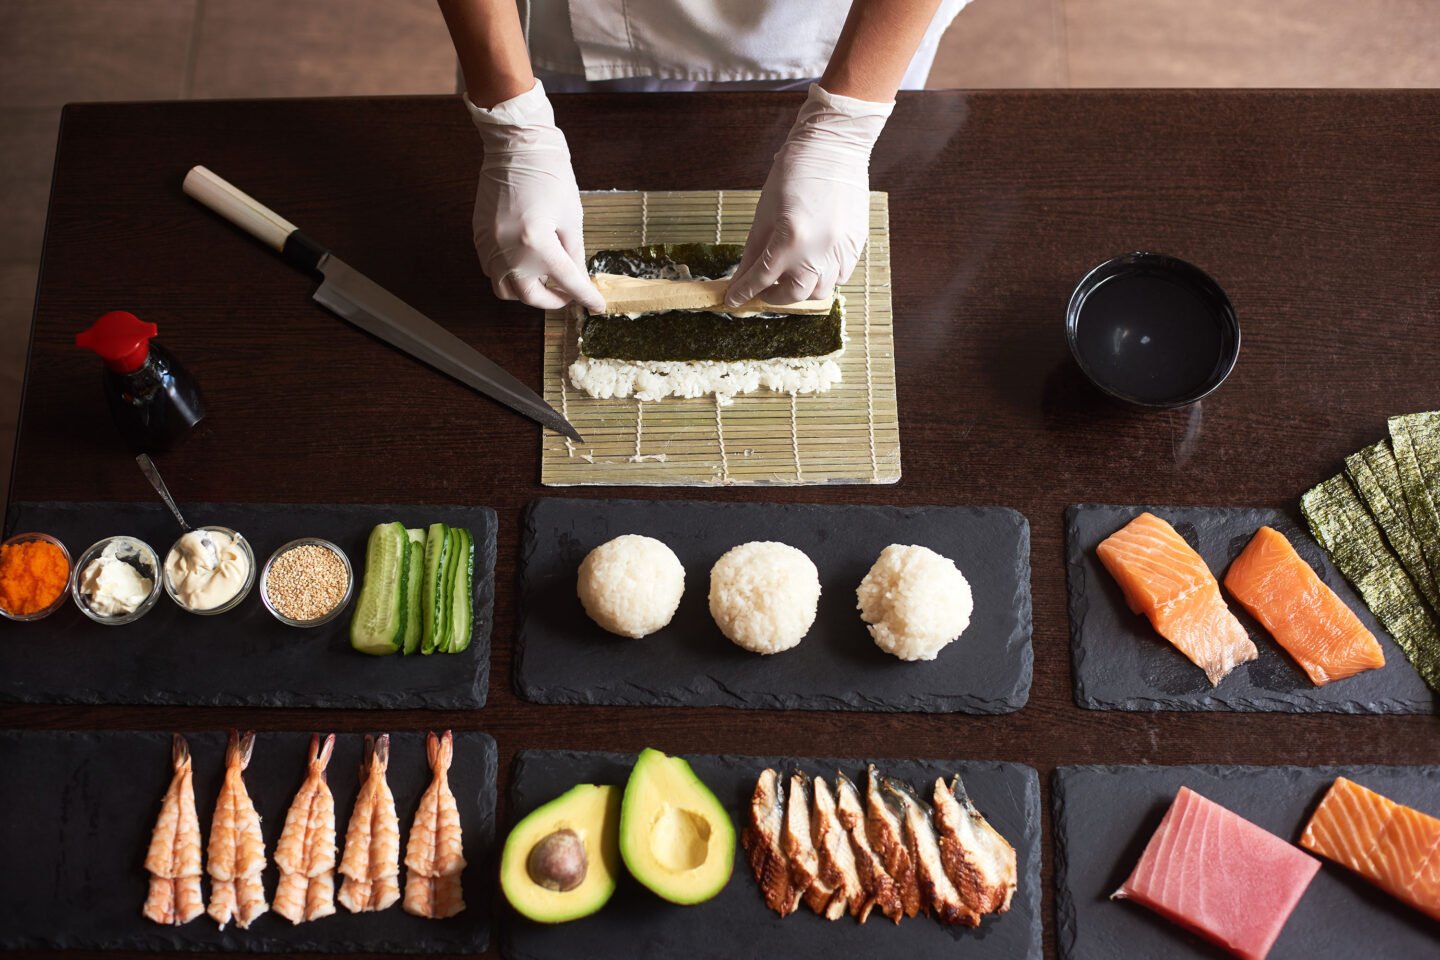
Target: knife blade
{"x": 362, "y": 302}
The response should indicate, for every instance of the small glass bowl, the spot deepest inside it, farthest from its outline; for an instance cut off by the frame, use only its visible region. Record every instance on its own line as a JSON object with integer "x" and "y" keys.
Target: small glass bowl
{"x": 64, "y": 592}
{"x": 323, "y": 618}
{"x": 244, "y": 591}
{"x": 144, "y": 559}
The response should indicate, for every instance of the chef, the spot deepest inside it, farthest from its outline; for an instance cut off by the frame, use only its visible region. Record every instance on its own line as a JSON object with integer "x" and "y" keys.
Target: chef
{"x": 814, "y": 212}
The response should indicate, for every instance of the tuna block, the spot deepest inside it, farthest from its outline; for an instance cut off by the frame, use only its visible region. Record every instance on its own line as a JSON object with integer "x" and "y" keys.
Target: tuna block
{"x": 1219, "y": 875}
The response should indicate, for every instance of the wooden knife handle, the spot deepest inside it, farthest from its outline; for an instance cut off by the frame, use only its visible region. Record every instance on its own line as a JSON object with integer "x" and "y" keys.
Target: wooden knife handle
{"x": 253, "y": 217}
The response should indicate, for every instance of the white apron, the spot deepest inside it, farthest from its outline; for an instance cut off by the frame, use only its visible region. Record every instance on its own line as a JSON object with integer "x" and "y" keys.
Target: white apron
{"x": 693, "y": 44}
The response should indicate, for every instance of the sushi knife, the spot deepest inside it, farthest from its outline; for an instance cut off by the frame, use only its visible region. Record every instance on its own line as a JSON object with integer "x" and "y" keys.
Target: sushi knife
{"x": 356, "y": 298}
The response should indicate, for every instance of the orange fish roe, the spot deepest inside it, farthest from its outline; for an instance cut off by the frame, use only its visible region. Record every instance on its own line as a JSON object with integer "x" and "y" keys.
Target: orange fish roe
{"x": 32, "y": 575}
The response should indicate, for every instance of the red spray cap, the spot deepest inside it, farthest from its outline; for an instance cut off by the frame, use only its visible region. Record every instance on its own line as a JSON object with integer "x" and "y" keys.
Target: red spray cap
{"x": 121, "y": 339}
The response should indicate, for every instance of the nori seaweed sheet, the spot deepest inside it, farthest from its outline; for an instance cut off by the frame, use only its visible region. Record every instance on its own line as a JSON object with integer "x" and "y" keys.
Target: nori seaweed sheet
{"x": 686, "y": 335}
{"x": 704, "y": 335}
{"x": 1376, "y": 478}
{"x": 1410, "y": 439}
{"x": 1344, "y": 527}
{"x": 1425, "y": 434}
{"x": 706, "y": 261}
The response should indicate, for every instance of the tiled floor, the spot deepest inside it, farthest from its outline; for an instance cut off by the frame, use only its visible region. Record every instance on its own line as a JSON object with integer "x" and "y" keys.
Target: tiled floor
{"x": 55, "y": 51}
{"x": 1192, "y": 43}
{"x": 320, "y": 48}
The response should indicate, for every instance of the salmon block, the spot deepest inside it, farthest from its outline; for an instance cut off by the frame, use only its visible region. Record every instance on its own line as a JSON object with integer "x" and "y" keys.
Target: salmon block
{"x": 1395, "y": 847}
{"x": 1169, "y": 583}
{"x": 1305, "y": 616}
{"x": 1217, "y": 874}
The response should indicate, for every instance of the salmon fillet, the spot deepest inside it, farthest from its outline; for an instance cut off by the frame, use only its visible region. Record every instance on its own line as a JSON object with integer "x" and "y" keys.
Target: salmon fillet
{"x": 1305, "y": 616}
{"x": 1395, "y": 847}
{"x": 1216, "y": 873}
{"x": 1169, "y": 583}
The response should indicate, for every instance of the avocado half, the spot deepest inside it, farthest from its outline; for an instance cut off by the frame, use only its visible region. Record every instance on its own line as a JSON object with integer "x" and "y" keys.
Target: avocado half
{"x": 675, "y": 837}
{"x": 588, "y": 814}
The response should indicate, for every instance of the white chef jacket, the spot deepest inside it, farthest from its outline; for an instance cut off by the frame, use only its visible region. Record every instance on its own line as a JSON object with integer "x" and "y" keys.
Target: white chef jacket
{"x": 688, "y": 44}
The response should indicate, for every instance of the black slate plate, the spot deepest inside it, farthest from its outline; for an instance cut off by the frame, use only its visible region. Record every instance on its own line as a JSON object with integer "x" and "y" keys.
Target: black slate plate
{"x": 563, "y": 657}
{"x": 80, "y": 807}
{"x": 637, "y": 924}
{"x": 1104, "y": 816}
{"x": 245, "y": 656}
{"x": 1121, "y": 663}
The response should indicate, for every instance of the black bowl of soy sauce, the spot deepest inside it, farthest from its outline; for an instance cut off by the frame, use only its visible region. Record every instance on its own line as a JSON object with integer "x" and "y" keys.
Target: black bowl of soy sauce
{"x": 1152, "y": 330}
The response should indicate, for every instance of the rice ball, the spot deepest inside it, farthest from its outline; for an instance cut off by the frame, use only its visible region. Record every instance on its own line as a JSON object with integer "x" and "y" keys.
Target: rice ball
{"x": 631, "y": 585}
{"x": 763, "y": 595}
{"x": 915, "y": 602}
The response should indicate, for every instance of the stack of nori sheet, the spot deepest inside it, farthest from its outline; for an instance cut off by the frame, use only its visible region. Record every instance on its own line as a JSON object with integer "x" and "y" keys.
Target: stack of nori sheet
{"x": 1380, "y": 523}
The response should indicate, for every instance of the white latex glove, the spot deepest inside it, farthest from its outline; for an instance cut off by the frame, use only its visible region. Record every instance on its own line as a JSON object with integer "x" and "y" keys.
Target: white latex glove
{"x": 814, "y": 213}
{"x": 528, "y": 217}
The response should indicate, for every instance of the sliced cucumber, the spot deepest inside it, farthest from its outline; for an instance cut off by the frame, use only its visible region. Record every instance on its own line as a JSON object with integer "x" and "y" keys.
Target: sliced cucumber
{"x": 433, "y": 593}
{"x": 378, "y": 624}
{"x": 414, "y": 577}
{"x": 460, "y": 612}
{"x": 446, "y": 588}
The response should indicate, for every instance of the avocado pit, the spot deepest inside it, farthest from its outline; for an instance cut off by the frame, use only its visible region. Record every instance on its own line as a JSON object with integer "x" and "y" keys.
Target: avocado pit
{"x": 558, "y": 862}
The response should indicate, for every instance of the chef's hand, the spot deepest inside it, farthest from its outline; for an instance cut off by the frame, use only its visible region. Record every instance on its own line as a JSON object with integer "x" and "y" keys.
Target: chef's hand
{"x": 528, "y": 216}
{"x": 814, "y": 213}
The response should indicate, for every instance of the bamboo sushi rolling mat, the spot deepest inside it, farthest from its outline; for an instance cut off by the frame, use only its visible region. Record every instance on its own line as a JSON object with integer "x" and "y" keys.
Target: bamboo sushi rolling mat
{"x": 850, "y": 434}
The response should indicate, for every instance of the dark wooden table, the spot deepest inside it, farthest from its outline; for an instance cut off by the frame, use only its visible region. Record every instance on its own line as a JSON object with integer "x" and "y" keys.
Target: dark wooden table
{"x": 1317, "y": 211}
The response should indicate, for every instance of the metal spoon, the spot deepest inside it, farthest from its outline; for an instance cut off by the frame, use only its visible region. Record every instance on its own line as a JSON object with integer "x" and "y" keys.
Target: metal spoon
{"x": 147, "y": 467}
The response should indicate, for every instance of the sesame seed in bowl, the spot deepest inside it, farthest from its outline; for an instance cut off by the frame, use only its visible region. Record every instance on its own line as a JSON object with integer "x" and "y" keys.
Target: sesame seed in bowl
{"x": 307, "y": 582}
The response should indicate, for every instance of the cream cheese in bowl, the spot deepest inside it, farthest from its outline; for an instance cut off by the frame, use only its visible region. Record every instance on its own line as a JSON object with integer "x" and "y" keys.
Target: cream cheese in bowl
{"x": 113, "y": 586}
{"x": 209, "y": 569}
{"x": 115, "y": 580}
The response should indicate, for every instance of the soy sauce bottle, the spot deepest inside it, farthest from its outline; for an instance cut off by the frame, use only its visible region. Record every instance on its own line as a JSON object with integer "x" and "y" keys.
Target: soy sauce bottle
{"x": 154, "y": 400}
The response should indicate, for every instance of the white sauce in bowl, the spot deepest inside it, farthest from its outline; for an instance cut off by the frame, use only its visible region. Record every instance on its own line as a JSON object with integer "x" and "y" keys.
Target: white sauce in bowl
{"x": 206, "y": 569}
